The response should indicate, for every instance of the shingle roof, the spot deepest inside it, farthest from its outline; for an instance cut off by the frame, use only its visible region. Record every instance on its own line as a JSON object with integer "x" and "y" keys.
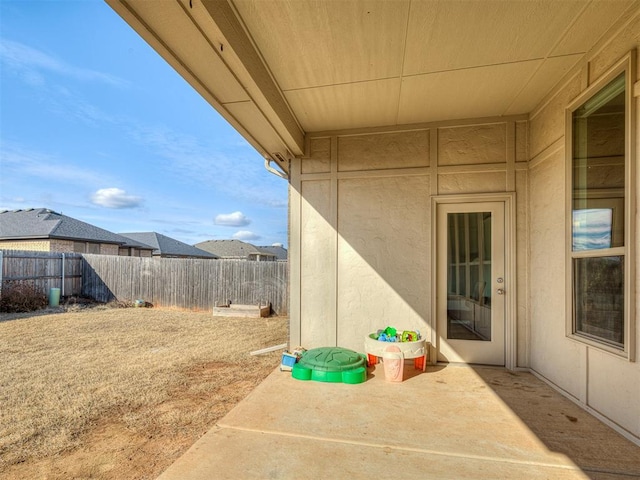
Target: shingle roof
{"x": 131, "y": 243}
{"x": 168, "y": 246}
{"x": 277, "y": 250}
{"x": 231, "y": 248}
{"x": 44, "y": 223}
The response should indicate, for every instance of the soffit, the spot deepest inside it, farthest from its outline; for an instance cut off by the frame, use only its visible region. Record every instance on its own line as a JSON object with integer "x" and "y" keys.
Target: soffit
{"x": 279, "y": 69}
{"x": 356, "y": 64}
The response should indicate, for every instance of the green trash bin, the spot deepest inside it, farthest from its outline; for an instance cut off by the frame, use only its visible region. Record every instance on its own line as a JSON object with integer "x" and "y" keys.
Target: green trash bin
{"x": 54, "y": 297}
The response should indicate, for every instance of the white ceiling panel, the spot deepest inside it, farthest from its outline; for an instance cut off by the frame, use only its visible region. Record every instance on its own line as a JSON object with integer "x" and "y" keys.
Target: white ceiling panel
{"x": 460, "y": 34}
{"x": 591, "y": 25}
{"x": 310, "y": 43}
{"x": 469, "y": 93}
{"x": 544, "y": 79}
{"x": 354, "y": 105}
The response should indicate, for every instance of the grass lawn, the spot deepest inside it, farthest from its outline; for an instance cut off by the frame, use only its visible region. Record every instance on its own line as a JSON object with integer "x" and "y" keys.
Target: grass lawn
{"x": 115, "y": 393}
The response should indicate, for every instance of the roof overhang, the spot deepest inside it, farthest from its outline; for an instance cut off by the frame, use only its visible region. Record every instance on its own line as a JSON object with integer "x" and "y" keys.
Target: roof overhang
{"x": 279, "y": 70}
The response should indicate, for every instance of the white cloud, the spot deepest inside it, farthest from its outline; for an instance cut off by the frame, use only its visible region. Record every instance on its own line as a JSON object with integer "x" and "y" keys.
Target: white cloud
{"x": 235, "y": 219}
{"x": 30, "y": 62}
{"x": 246, "y": 235}
{"x": 115, "y": 198}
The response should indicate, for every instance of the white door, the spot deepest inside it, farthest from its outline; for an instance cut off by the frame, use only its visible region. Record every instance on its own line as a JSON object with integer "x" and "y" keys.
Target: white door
{"x": 470, "y": 262}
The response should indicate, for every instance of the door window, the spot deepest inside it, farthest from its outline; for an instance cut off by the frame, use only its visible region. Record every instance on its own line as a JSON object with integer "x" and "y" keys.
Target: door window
{"x": 468, "y": 276}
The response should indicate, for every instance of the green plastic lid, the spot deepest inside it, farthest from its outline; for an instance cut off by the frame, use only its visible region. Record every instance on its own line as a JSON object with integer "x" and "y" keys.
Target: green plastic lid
{"x": 332, "y": 365}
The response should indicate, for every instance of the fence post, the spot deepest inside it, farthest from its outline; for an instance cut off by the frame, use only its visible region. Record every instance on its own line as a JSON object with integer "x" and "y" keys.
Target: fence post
{"x": 62, "y": 286}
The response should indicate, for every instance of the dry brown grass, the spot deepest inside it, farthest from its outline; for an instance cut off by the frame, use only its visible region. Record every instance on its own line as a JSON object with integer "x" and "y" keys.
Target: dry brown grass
{"x": 147, "y": 380}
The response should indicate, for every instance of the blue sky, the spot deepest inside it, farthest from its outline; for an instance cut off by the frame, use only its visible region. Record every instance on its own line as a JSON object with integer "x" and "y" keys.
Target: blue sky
{"x": 95, "y": 125}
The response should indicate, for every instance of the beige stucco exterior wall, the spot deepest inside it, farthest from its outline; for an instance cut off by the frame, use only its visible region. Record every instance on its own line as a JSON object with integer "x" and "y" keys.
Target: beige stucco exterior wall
{"x": 360, "y": 206}
{"x": 603, "y": 382}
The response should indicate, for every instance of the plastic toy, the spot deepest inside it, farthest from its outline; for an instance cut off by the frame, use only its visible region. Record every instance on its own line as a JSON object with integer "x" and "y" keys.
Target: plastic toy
{"x": 393, "y": 364}
{"x": 390, "y": 334}
{"x": 288, "y": 361}
{"x": 331, "y": 364}
{"x": 410, "y": 336}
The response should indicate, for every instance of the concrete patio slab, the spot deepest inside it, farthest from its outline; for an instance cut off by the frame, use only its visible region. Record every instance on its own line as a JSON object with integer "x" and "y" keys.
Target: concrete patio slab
{"x": 450, "y": 422}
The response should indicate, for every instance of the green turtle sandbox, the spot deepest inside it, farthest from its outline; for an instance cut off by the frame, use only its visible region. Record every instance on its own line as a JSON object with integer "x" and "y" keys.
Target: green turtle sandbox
{"x": 331, "y": 364}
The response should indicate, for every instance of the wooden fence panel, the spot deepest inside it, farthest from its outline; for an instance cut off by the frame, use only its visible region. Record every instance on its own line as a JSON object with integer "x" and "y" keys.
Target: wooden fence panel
{"x": 43, "y": 270}
{"x": 186, "y": 283}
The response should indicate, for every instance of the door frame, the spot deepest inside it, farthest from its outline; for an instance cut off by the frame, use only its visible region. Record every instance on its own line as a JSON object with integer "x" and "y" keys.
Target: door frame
{"x": 510, "y": 326}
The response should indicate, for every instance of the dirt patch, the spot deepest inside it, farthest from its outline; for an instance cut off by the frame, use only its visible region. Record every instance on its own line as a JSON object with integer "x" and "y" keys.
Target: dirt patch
{"x": 139, "y": 438}
{"x": 112, "y": 450}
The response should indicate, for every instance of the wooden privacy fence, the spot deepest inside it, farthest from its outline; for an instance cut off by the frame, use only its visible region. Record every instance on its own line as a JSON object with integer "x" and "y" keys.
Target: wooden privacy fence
{"x": 186, "y": 282}
{"x": 176, "y": 282}
{"x": 43, "y": 270}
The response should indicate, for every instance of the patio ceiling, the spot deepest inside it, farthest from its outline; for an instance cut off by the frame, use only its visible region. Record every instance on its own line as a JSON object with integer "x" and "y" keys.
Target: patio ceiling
{"x": 277, "y": 70}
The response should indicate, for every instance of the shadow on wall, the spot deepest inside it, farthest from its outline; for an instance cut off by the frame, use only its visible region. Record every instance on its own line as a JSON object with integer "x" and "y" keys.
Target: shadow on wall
{"x": 365, "y": 208}
{"x": 379, "y": 243}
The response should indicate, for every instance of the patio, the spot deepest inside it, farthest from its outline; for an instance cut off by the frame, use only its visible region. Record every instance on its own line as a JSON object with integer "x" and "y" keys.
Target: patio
{"x": 453, "y": 422}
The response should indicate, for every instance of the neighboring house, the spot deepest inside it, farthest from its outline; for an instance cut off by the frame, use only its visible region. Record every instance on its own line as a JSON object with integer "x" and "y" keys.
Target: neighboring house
{"x": 167, "y": 247}
{"x": 236, "y": 250}
{"x": 134, "y": 248}
{"x": 44, "y": 230}
{"x": 278, "y": 250}
{"x": 465, "y": 168}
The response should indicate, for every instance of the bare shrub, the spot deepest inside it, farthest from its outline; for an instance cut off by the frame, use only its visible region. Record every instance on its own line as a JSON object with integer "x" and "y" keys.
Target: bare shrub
{"x": 21, "y": 297}
{"x": 119, "y": 304}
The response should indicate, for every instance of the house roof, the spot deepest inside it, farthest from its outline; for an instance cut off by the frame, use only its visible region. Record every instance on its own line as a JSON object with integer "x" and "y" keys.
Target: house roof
{"x": 232, "y": 248}
{"x": 279, "y": 71}
{"x": 168, "y": 246}
{"x": 278, "y": 250}
{"x": 34, "y": 223}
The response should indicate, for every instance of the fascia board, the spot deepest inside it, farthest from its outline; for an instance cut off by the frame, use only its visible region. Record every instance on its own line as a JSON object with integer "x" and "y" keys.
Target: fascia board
{"x": 276, "y": 134}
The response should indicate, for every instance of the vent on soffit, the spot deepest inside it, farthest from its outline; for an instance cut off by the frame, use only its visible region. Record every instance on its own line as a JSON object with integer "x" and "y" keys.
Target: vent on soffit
{"x": 280, "y": 158}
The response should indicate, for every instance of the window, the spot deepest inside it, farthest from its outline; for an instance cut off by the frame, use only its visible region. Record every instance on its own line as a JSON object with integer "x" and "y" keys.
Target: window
{"x": 469, "y": 273}
{"x": 600, "y": 242}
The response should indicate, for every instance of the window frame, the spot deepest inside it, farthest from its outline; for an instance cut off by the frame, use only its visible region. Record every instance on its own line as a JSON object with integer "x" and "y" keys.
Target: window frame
{"x": 626, "y": 65}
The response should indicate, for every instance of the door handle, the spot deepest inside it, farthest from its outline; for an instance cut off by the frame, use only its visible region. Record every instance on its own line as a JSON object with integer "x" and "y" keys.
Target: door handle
{"x": 500, "y": 291}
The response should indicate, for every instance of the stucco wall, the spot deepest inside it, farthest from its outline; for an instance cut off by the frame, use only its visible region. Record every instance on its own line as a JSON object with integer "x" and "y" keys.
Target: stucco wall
{"x": 383, "y": 270}
{"x": 606, "y": 383}
{"x": 361, "y": 223}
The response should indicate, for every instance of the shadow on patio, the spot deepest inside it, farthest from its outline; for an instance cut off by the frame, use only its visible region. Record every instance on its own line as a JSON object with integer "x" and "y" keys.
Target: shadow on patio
{"x": 564, "y": 428}
{"x": 450, "y": 422}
